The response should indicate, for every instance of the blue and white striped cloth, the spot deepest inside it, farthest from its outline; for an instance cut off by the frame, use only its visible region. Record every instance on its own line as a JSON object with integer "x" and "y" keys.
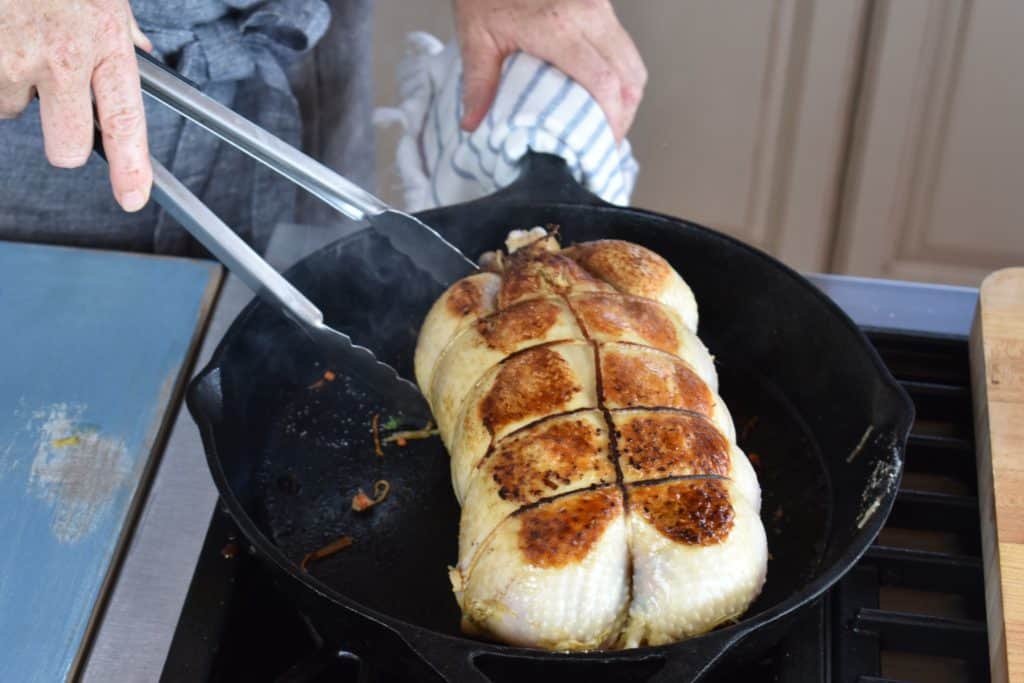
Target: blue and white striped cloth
{"x": 537, "y": 107}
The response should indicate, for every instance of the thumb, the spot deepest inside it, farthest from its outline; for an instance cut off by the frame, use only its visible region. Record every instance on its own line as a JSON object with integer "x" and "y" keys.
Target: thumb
{"x": 138, "y": 37}
{"x": 481, "y": 71}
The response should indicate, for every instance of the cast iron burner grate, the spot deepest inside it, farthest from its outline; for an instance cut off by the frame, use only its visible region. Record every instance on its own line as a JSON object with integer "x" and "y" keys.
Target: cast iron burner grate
{"x": 912, "y": 609}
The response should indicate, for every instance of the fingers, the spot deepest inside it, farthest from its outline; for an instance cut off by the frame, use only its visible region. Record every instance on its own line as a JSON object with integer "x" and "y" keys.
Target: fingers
{"x": 138, "y": 37}
{"x": 621, "y": 54}
{"x": 582, "y": 62}
{"x": 584, "y": 39}
{"x": 481, "y": 61}
{"x": 65, "y": 110}
{"x": 65, "y": 49}
{"x": 122, "y": 120}
{"x": 14, "y": 99}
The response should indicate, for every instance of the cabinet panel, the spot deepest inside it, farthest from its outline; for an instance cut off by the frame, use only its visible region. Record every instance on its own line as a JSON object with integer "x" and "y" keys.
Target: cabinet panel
{"x": 744, "y": 120}
{"x": 934, "y": 191}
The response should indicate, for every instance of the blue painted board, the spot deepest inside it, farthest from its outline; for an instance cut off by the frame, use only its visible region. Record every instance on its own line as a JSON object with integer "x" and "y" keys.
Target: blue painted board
{"x": 91, "y": 346}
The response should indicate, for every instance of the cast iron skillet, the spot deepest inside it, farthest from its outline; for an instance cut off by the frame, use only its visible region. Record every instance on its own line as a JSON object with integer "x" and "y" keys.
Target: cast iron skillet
{"x": 802, "y": 382}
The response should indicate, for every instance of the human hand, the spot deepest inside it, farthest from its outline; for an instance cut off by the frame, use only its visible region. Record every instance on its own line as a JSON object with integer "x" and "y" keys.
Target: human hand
{"x": 62, "y": 48}
{"x": 583, "y": 38}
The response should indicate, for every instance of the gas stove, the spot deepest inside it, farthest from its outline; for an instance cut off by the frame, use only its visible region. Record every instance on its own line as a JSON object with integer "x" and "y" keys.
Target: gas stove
{"x": 191, "y": 604}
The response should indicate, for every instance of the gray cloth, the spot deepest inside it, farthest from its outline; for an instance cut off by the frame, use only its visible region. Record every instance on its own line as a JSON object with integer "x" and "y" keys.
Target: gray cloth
{"x": 257, "y": 57}
{"x": 335, "y": 92}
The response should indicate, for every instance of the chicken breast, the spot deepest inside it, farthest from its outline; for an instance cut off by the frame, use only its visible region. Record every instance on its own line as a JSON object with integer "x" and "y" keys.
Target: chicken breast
{"x": 605, "y": 503}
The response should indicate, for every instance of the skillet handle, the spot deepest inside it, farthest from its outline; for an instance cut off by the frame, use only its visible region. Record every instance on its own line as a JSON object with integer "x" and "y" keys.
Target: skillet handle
{"x": 691, "y": 661}
{"x": 546, "y": 178}
{"x": 686, "y": 662}
{"x": 451, "y": 660}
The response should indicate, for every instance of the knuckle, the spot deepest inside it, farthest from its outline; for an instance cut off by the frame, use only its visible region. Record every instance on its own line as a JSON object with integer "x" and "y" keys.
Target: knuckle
{"x": 15, "y": 67}
{"x": 111, "y": 25}
{"x": 606, "y": 83}
{"x": 632, "y": 92}
{"x": 597, "y": 13}
{"x": 123, "y": 123}
{"x": 12, "y": 106}
{"x": 641, "y": 76}
{"x": 64, "y": 57}
{"x": 558, "y": 19}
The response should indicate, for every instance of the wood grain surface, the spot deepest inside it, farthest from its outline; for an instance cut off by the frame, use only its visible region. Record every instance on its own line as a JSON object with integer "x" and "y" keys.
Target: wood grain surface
{"x": 997, "y": 370}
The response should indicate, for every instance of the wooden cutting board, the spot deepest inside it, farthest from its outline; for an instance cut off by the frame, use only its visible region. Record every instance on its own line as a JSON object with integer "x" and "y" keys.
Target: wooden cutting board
{"x": 997, "y": 374}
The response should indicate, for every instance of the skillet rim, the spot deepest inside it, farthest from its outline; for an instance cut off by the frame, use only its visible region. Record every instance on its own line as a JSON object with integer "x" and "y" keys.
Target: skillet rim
{"x": 897, "y": 403}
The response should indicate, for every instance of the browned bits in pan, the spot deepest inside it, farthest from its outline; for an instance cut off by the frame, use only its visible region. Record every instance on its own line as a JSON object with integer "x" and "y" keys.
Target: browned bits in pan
{"x": 375, "y": 427}
{"x": 331, "y": 548}
{"x": 362, "y": 502}
{"x": 403, "y": 437}
{"x": 328, "y": 376}
{"x": 748, "y": 428}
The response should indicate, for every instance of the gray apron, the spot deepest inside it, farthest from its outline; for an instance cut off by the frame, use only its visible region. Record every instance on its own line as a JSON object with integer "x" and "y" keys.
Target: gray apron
{"x": 256, "y": 56}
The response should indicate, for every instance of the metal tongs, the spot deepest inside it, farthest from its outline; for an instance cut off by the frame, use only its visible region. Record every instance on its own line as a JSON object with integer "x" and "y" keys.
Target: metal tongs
{"x": 423, "y": 245}
{"x": 431, "y": 252}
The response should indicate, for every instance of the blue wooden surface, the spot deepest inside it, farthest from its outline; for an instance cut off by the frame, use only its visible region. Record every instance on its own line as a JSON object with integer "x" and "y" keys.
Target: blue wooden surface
{"x": 91, "y": 345}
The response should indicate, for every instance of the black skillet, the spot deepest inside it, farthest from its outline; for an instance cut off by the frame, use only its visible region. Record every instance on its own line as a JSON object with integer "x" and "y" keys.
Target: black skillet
{"x": 809, "y": 395}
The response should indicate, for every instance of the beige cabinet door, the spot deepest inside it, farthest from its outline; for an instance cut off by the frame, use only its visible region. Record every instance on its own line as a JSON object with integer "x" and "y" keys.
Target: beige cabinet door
{"x": 745, "y": 120}
{"x": 935, "y": 188}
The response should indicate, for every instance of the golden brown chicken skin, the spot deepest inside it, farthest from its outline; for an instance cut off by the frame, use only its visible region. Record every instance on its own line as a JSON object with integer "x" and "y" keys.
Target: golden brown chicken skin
{"x": 605, "y": 503}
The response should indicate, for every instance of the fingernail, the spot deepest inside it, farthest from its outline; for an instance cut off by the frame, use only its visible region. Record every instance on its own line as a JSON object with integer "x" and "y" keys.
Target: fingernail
{"x": 133, "y": 200}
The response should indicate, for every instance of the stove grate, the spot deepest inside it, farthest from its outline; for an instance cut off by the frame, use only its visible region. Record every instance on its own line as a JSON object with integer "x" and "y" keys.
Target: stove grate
{"x": 913, "y": 609}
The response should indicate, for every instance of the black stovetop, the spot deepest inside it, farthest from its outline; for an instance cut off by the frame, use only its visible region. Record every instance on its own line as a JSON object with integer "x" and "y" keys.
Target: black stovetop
{"x": 911, "y": 610}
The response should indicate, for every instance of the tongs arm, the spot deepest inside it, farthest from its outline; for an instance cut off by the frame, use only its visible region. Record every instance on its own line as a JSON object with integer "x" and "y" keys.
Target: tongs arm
{"x": 173, "y": 90}
{"x": 230, "y": 249}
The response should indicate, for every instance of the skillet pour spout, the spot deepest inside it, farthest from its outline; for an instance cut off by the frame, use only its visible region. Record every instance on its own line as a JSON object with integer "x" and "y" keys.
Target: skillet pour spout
{"x": 803, "y": 383}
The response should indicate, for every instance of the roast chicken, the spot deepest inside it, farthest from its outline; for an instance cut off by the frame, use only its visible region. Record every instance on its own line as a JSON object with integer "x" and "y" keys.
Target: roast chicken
{"x": 605, "y": 503}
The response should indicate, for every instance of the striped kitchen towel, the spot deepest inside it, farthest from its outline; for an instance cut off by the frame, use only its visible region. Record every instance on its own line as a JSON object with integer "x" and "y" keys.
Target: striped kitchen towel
{"x": 537, "y": 107}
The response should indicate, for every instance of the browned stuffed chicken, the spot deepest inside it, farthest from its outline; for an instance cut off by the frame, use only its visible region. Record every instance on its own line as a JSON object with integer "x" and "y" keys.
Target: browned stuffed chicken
{"x": 605, "y": 503}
